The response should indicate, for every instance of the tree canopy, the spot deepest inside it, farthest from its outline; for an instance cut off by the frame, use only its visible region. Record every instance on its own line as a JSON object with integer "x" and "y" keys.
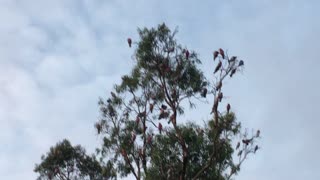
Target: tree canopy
{"x": 141, "y": 123}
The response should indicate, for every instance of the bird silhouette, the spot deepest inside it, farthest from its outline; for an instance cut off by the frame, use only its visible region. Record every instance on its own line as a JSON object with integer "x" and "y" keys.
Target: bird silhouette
{"x": 151, "y": 107}
{"x": 129, "y": 42}
{"x": 204, "y": 92}
{"x": 241, "y": 63}
{"x": 228, "y": 107}
{"x": 232, "y": 59}
{"x": 160, "y": 127}
{"x": 222, "y": 53}
{"x": 238, "y": 145}
{"x": 218, "y": 67}
{"x": 256, "y": 148}
{"x": 258, "y": 133}
{"x": 215, "y": 55}
{"x": 232, "y": 72}
{"x": 187, "y": 54}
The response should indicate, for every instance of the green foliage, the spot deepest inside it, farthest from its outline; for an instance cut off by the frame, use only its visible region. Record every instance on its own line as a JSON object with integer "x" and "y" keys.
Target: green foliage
{"x": 64, "y": 161}
{"x": 141, "y": 124}
{"x": 164, "y": 76}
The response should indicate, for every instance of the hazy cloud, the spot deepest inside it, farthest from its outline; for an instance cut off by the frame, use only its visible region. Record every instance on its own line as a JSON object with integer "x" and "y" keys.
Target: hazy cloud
{"x": 57, "y": 58}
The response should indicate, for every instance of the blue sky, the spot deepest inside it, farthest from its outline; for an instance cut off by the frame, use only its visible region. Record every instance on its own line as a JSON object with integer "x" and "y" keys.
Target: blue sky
{"x": 57, "y": 57}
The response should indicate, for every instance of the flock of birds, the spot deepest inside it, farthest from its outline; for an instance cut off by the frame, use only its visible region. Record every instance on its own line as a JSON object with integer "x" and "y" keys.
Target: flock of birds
{"x": 164, "y": 114}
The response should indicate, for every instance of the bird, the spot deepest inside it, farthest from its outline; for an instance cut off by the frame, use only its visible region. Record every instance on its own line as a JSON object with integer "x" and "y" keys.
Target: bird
{"x": 174, "y": 94}
{"x": 228, "y": 107}
{"x": 164, "y": 107}
{"x": 124, "y": 153}
{"x": 241, "y": 63}
{"x": 232, "y": 59}
{"x": 219, "y": 85}
{"x": 140, "y": 152}
{"x": 187, "y": 54}
{"x": 217, "y": 67}
{"x": 258, "y": 133}
{"x": 221, "y": 52}
{"x": 171, "y": 119}
{"x": 220, "y": 96}
{"x": 98, "y": 127}
{"x": 151, "y": 107}
{"x": 160, "y": 127}
{"x": 204, "y": 92}
{"x": 246, "y": 141}
{"x": 137, "y": 120}
{"x": 163, "y": 115}
{"x": 129, "y": 42}
{"x": 133, "y": 138}
{"x": 232, "y": 72}
{"x": 113, "y": 94}
{"x": 149, "y": 140}
{"x": 256, "y": 148}
{"x": 142, "y": 114}
{"x": 215, "y": 55}
{"x": 238, "y": 145}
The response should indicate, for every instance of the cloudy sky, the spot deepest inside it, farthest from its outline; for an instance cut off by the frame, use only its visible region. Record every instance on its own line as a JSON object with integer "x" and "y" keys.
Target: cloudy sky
{"x": 57, "y": 57}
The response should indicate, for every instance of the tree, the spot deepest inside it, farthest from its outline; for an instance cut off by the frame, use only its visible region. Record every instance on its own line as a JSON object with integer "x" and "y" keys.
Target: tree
{"x": 67, "y": 162}
{"x": 143, "y": 132}
{"x": 165, "y": 76}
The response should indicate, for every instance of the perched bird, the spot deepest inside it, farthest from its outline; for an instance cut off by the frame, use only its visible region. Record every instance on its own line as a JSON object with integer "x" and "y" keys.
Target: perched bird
{"x": 240, "y": 152}
{"x": 232, "y": 72}
{"x": 228, "y": 107}
{"x": 137, "y": 120}
{"x": 232, "y": 59}
{"x": 174, "y": 94}
{"x": 222, "y": 53}
{"x": 246, "y": 141}
{"x": 215, "y": 55}
{"x": 141, "y": 153}
{"x": 163, "y": 115}
{"x": 109, "y": 100}
{"x": 204, "y": 92}
{"x": 164, "y": 107}
{"x": 258, "y": 133}
{"x": 238, "y": 145}
{"x": 219, "y": 85}
{"x": 241, "y": 63}
{"x": 151, "y": 107}
{"x": 160, "y": 127}
{"x": 149, "y": 140}
{"x": 220, "y": 96}
{"x": 113, "y": 94}
{"x": 142, "y": 114}
{"x": 218, "y": 67}
{"x": 171, "y": 119}
{"x": 129, "y": 41}
{"x": 98, "y": 127}
{"x": 133, "y": 137}
{"x": 187, "y": 54}
{"x": 256, "y": 148}
{"x": 124, "y": 153}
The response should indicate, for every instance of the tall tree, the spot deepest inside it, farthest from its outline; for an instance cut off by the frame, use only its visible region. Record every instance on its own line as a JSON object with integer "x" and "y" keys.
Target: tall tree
{"x": 141, "y": 122}
{"x": 144, "y": 134}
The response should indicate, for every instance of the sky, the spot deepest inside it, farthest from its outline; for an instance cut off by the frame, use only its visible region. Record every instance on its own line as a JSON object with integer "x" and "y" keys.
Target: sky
{"x": 58, "y": 57}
